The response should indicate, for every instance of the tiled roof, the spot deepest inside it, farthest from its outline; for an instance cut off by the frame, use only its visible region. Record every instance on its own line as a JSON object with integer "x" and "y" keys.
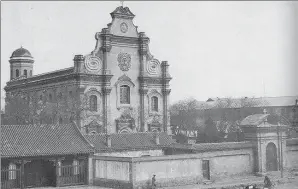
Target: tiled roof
{"x": 254, "y": 120}
{"x": 202, "y": 147}
{"x": 247, "y": 102}
{"x": 42, "y": 140}
{"x": 126, "y": 141}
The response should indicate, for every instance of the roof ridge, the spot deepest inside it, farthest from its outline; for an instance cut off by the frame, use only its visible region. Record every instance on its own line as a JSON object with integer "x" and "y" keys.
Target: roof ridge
{"x": 81, "y": 135}
{"x": 63, "y": 69}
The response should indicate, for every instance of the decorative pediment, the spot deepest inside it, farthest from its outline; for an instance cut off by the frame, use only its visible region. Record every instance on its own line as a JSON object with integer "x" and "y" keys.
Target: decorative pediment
{"x": 122, "y": 12}
{"x": 154, "y": 92}
{"x": 124, "y": 79}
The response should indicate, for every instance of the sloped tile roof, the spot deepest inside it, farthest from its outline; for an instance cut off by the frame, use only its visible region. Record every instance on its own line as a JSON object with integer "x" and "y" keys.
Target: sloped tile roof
{"x": 42, "y": 140}
{"x": 126, "y": 141}
{"x": 254, "y": 120}
{"x": 204, "y": 147}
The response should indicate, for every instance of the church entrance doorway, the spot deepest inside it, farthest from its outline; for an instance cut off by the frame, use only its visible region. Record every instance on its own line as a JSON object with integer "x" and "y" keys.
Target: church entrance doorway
{"x": 271, "y": 157}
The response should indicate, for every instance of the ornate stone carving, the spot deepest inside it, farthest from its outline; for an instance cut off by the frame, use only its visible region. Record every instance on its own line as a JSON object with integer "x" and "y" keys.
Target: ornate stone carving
{"x": 166, "y": 91}
{"x": 106, "y": 90}
{"x": 123, "y": 27}
{"x": 124, "y": 61}
{"x": 153, "y": 67}
{"x": 143, "y": 91}
{"x": 93, "y": 63}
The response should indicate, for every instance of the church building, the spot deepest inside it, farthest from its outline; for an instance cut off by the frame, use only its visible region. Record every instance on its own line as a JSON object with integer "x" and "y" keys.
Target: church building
{"x": 120, "y": 87}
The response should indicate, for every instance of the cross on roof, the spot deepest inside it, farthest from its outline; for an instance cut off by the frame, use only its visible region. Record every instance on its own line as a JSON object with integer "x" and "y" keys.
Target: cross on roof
{"x": 122, "y": 2}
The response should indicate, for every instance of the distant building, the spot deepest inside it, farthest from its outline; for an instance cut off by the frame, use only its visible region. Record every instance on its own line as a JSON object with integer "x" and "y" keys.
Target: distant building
{"x": 238, "y": 108}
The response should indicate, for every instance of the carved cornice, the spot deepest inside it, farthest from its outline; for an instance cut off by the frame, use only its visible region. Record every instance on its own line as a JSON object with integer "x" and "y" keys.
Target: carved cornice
{"x": 106, "y": 40}
{"x": 143, "y": 91}
{"x": 72, "y": 77}
{"x": 122, "y": 12}
{"x": 155, "y": 80}
{"x": 106, "y": 90}
{"x": 166, "y": 91}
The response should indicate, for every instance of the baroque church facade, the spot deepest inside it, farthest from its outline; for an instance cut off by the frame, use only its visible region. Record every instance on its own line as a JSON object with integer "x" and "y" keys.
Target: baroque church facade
{"x": 119, "y": 87}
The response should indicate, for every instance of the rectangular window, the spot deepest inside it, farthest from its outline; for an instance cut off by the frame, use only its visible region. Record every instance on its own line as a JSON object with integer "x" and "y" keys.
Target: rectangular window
{"x": 75, "y": 167}
{"x": 12, "y": 171}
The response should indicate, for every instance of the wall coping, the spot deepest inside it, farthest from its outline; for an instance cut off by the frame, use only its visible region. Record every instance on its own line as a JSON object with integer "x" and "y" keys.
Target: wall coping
{"x": 171, "y": 157}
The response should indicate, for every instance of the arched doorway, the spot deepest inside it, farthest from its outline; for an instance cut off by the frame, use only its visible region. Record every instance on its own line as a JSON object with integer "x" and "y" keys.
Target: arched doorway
{"x": 271, "y": 157}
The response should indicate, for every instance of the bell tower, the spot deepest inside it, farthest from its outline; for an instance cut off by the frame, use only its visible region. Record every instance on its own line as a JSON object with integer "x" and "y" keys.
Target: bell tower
{"x": 21, "y": 64}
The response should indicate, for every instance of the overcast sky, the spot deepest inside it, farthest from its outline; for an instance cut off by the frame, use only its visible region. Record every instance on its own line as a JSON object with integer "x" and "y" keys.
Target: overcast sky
{"x": 215, "y": 49}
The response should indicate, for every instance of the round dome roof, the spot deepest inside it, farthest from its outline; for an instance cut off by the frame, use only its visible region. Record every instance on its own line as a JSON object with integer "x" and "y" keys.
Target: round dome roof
{"x": 21, "y": 52}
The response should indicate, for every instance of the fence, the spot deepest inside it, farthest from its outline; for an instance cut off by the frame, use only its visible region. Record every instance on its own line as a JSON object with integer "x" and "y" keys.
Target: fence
{"x": 10, "y": 178}
{"x": 72, "y": 175}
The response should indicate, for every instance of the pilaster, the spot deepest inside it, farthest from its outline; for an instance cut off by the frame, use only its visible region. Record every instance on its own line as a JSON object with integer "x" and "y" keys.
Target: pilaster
{"x": 106, "y": 114}
{"x": 165, "y": 91}
{"x": 143, "y": 41}
{"x": 143, "y": 92}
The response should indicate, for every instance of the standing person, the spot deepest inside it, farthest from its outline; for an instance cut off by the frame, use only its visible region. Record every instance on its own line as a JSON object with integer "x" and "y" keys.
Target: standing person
{"x": 267, "y": 183}
{"x": 153, "y": 182}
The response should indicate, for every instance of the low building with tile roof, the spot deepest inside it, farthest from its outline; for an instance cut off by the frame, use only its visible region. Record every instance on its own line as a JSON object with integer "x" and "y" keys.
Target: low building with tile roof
{"x": 43, "y": 155}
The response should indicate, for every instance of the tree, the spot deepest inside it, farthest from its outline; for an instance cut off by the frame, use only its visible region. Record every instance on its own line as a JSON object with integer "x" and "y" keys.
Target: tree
{"x": 184, "y": 115}
{"x": 211, "y": 132}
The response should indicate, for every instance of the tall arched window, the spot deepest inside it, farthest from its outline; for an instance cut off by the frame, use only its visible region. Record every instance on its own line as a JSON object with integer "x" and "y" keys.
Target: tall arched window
{"x": 93, "y": 103}
{"x": 25, "y": 73}
{"x": 124, "y": 94}
{"x": 17, "y": 73}
{"x": 30, "y": 72}
{"x": 154, "y": 104}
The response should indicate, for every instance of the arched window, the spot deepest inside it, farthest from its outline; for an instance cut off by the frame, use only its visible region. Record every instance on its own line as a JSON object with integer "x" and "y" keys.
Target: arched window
{"x": 30, "y": 72}
{"x": 154, "y": 104}
{"x": 124, "y": 94}
{"x": 17, "y": 73}
{"x": 11, "y": 72}
{"x": 25, "y": 73}
{"x": 93, "y": 103}
{"x": 50, "y": 97}
{"x": 70, "y": 93}
{"x": 40, "y": 97}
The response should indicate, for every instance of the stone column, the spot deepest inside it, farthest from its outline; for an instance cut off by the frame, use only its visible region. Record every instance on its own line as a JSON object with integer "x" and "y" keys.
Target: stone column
{"x": 165, "y": 91}
{"x": 58, "y": 171}
{"x": 143, "y": 41}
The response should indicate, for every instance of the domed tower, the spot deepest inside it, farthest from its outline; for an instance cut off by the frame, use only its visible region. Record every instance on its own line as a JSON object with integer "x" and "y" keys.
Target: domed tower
{"x": 21, "y": 63}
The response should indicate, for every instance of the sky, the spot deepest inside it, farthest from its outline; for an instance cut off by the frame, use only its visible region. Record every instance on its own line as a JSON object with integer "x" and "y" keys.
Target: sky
{"x": 215, "y": 49}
